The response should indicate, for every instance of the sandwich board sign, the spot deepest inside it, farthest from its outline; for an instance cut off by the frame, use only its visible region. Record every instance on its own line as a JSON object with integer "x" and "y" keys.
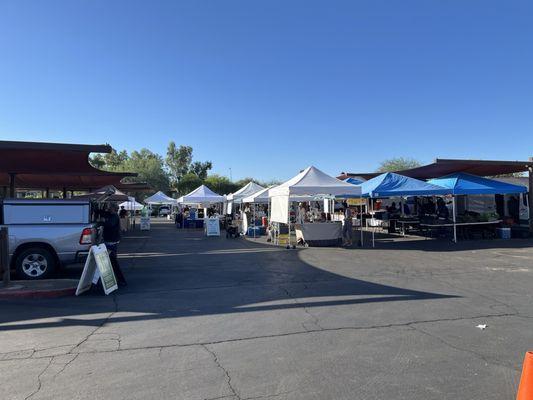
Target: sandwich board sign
{"x": 97, "y": 265}
{"x": 212, "y": 227}
{"x": 145, "y": 223}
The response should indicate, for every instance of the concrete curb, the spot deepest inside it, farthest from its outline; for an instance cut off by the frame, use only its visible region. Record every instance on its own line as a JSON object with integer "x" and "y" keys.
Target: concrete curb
{"x": 26, "y": 290}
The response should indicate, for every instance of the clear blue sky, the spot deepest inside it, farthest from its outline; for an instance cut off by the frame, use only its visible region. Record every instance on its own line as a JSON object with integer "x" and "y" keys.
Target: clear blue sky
{"x": 269, "y": 87}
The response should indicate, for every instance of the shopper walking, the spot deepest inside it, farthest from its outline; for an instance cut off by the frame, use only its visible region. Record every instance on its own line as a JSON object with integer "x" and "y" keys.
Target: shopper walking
{"x": 112, "y": 237}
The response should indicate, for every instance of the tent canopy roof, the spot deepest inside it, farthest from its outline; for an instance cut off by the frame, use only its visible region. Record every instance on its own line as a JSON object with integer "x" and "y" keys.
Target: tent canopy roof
{"x": 247, "y": 190}
{"x": 353, "y": 181}
{"x": 312, "y": 182}
{"x": 132, "y": 205}
{"x": 463, "y": 183}
{"x": 390, "y": 184}
{"x": 260, "y": 196}
{"x": 201, "y": 195}
{"x": 159, "y": 198}
{"x": 111, "y": 193}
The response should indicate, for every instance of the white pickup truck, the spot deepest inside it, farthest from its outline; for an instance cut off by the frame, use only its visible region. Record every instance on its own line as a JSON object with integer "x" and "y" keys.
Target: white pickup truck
{"x": 47, "y": 234}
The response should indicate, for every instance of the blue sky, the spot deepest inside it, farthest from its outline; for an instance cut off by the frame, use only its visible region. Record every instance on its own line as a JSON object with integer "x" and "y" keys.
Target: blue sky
{"x": 267, "y": 88}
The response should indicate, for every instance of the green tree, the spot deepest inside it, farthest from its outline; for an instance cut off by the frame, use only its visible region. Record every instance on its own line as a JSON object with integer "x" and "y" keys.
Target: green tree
{"x": 150, "y": 169}
{"x": 97, "y": 161}
{"x": 178, "y": 161}
{"x": 220, "y": 184}
{"x": 201, "y": 168}
{"x": 188, "y": 183}
{"x": 398, "y": 164}
{"x": 244, "y": 181}
{"x": 114, "y": 161}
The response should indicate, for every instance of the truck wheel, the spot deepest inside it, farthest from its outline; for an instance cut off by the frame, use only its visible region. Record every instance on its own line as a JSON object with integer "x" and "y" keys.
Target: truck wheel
{"x": 35, "y": 263}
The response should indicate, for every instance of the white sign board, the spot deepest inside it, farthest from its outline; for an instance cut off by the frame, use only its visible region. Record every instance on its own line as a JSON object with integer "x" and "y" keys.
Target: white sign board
{"x": 212, "y": 227}
{"x": 97, "y": 265}
{"x": 145, "y": 223}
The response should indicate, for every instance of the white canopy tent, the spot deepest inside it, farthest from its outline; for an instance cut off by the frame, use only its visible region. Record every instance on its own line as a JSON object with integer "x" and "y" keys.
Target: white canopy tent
{"x": 259, "y": 197}
{"x": 201, "y": 195}
{"x": 159, "y": 198}
{"x": 132, "y": 205}
{"x": 311, "y": 183}
{"x": 237, "y": 197}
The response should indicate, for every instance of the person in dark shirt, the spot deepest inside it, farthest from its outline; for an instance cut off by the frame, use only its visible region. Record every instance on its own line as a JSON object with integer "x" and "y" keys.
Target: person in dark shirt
{"x": 513, "y": 205}
{"x": 442, "y": 210}
{"x": 123, "y": 212}
{"x": 112, "y": 237}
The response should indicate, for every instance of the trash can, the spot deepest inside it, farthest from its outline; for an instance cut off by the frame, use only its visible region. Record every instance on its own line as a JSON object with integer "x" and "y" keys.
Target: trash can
{"x": 503, "y": 233}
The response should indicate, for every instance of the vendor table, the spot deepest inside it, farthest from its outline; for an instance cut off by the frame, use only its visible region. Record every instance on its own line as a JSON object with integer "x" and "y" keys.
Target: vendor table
{"x": 461, "y": 227}
{"x": 406, "y": 223}
{"x": 193, "y": 223}
{"x": 320, "y": 234}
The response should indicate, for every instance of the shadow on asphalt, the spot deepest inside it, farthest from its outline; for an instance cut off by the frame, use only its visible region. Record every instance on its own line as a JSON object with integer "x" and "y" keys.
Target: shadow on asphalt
{"x": 176, "y": 274}
{"x": 386, "y": 241}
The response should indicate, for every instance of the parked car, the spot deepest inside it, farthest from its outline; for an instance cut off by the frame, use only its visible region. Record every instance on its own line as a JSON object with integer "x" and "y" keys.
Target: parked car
{"x": 164, "y": 211}
{"x": 45, "y": 235}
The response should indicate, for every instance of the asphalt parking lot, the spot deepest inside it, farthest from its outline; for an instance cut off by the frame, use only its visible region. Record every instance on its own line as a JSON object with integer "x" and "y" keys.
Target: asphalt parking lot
{"x": 217, "y": 318}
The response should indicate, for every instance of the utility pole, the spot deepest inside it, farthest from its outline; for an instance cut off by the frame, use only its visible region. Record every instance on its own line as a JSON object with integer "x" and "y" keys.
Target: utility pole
{"x": 230, "y": 177}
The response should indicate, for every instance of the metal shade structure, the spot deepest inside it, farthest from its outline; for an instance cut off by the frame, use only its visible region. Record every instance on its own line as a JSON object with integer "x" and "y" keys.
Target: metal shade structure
{"x": 34, "y": 165}
{"x": 443, "y": 166}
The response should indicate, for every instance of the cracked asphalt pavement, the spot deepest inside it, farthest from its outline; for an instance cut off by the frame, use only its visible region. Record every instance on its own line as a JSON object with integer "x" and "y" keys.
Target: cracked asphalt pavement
{"x": 216, "y": 318}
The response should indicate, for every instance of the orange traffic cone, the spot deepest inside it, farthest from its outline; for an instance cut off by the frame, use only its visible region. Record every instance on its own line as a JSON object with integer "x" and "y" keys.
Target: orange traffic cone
{"x": 525, "y": 389}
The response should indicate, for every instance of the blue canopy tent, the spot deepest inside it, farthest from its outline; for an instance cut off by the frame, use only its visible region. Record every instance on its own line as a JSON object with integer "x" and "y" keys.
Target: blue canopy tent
{"x": 462, "y": 183}
{"x": 390, "y": 184}
{"x": 353, "y": 181}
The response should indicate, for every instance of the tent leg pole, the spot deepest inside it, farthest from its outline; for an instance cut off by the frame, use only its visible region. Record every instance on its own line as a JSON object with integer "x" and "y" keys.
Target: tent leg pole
{"x": 289, "y": 225}
{"x": 454, "y": 223}
{"x": 361, "y": 226}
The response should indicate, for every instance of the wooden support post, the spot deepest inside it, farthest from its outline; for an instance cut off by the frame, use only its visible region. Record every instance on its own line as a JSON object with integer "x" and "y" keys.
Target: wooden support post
{"x": 530, "y": 197}
{"x": 64, "y": 193}
{"x": 4, "y": 256}
{"x": 12, "y": 185}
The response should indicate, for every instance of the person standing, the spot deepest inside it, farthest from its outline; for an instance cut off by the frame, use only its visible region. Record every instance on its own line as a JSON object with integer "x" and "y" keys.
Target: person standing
{"x": 513, "y": 205}
{"x": 347, "y": 229}
{"x": 123, "y": 214}
{"x": 112, "y": 236}
{"x": 300, "y": 218}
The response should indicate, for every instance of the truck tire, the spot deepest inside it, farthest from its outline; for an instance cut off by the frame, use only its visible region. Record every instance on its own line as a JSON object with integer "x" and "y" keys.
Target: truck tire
{"x": 35, "y": 263}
